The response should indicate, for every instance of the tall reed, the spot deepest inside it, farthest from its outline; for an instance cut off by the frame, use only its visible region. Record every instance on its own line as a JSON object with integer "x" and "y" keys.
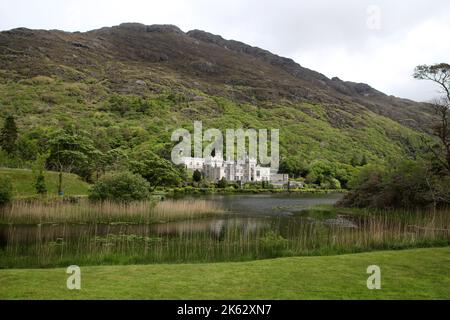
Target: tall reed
{"x": 84, "y": 211}
{"x": 218, "y": 239}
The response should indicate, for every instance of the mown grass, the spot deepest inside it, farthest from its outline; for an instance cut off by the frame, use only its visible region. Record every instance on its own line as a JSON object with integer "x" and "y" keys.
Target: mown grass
{"x": 23, "y": 183}
{"x": 410, "y": 274}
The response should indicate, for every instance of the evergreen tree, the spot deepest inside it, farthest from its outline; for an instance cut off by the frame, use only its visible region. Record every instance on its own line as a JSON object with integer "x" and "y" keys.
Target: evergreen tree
{"x": 197, "y": 176}
{"x": 9, "y": 135}
{"x": 38, "y": 171}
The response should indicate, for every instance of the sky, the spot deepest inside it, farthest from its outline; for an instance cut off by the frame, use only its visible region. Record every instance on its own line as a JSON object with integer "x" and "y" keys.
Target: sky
{"x": 378, "y": 42}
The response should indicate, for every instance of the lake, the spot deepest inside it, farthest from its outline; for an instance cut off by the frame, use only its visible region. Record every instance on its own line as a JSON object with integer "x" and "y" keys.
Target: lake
{"x": 251, "y": 212}
{"x": 248, "y": 227}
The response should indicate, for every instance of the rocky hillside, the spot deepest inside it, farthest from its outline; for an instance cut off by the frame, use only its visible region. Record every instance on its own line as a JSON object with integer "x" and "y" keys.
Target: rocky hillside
{"x": 139, "y": 82}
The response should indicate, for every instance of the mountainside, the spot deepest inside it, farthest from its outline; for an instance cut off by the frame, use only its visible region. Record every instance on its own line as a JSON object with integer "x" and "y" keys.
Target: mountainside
{"x": 133, "y": 84}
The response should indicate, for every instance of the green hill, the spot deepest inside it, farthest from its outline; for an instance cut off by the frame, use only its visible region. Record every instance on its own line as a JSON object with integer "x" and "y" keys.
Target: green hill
{"x": 132, "y": 85}
{"x": 23, "y": 183}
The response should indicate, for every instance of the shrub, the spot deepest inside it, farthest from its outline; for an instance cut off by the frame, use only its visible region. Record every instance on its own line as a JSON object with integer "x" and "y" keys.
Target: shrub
{"x": 330, "y": 183}
{"x": 5, "y": 190}
{"x": 197, "y": 176}
{"x": 222, "y": 184}
{"x": 122, "y": 187}
{"x": 407, "y": 184}
{"x": 40, "y": 185}
{"x": 157, "y": 171}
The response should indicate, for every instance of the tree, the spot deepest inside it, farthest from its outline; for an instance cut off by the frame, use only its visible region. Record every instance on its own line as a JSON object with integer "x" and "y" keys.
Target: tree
{"x": 330, "y": 183}
{"x": 99, "y": 161}
{"x": 116, "y": 159}
{"x": 121, "y": 187}
{"x": 26, "y": 148}
{"x": 406, "y": 184}
{"x": 5, "y": 190}
{"x": 157, "y": 171}
{"x": 38, "y": 171}
{"x": 9, "y": 135}
{"x": 197, "y": 176}
{"x": 222, "y": 184}
{"x": 439, "y": 74}
{"x": 294, "y": 166}
{"x": 69, "y": 152}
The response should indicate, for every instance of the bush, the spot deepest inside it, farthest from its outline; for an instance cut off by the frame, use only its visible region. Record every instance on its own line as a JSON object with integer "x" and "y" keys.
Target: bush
{"x": 122, "y": 187}
{"x": 5, "y": 190}
{"x": 407, "y": 184}
{"x": 325, "y": 173}
{"x": 197, "y": 176}
{"x": 330, "y": 183}
{"x": 40, "y": 186}
{"x": 222, "y": 184}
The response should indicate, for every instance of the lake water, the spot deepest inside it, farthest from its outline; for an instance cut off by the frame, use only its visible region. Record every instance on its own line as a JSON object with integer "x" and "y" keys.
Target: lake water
{"x": 249, "y": 213}
{"x": 250, "y": 227}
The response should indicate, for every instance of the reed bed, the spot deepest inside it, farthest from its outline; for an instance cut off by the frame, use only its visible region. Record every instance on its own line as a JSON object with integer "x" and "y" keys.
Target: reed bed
{"x": 84, "y": 211}
{"x": 211, "y": 240}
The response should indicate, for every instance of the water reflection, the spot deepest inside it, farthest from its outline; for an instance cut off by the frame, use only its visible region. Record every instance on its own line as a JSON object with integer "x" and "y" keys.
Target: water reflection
{"x": 272, "y": 204}
{"x": 250, "y": 214}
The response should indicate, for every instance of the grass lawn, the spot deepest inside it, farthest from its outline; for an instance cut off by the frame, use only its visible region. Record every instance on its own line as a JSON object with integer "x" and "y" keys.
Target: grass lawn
{"x": 23, "y": 182}
{"x": 409, "y": 274}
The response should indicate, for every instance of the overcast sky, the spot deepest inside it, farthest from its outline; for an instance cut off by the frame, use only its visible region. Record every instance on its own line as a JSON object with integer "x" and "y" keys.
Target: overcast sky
{"x": 378, "y": 42}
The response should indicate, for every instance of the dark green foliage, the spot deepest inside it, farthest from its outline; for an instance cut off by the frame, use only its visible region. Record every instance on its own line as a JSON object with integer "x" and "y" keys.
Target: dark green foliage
{"x": 157, "y": 171}
{"x": 8, "y": 135}
{"x": 294, "y": 166}
{"x": 40, "y": 185}
{"x": 38, "y": 171}
{"x": 26, "y": 148}
{"x": 121, "y": 187}
{"x": 222, "y": 184}
{"x": 329, "y": 182}
{"x": 358, "y": 161}
{"x": 406, "y": 184}
{"x": 5, "y": 190}
{"x": 70, "y": 152}
{"x": 197, "y": 176}
{"x": 124, "y": 105}
{"x": 330, "y": 174}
